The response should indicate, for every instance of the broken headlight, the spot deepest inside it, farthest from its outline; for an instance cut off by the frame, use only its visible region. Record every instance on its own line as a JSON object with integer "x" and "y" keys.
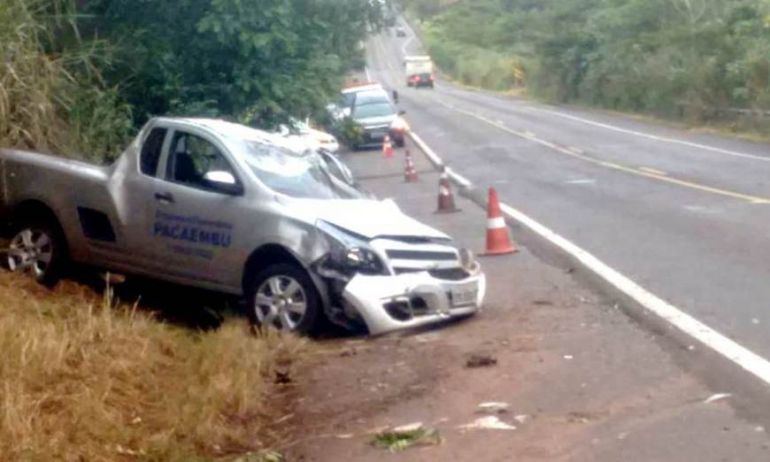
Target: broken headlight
{"x": 468, "y": 261}
{"x": 350, "y": 254}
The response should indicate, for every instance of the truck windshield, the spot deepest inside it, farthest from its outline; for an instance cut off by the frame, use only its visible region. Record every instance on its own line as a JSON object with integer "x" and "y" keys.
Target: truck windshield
{"x": 373, "y": 110}
{"x": 299, "y": 176}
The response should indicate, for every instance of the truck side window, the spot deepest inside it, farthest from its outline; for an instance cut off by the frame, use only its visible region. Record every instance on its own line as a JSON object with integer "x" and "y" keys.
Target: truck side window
{"x": 191, "y": 157}
{"x": 150, "y": 156}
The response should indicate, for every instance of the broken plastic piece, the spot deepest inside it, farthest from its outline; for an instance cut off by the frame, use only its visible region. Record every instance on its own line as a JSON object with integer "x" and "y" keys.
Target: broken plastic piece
{"x": 487, "y": 423}
{"x": 494, "y": 407}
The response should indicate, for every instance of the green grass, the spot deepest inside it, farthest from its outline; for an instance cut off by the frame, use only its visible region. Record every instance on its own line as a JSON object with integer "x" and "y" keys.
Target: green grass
{"x": 396, "y": 441}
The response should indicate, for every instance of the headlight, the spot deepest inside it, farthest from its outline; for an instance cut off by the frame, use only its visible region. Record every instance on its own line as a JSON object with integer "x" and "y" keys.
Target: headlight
{"x": 361, "y": 260}
{"x": 468, "y": 260}
{"x": 349, "y": 254}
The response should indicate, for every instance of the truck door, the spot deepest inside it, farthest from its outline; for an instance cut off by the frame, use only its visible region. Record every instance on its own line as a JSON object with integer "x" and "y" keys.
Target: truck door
{"x": 195, "y": 213}
{"x": 133, "y": 192}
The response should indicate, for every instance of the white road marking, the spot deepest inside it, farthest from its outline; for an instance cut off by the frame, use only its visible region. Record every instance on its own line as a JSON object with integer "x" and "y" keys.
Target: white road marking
{"x": 438, "y": 162}
{"x": 650, "y": 136}
{"x": 701, "y": 209}
{"x": 738, "y": 354}
{"x": 731, "y": 350}
{"x": 575, "y": 150}
{"x": 583, "y": 181}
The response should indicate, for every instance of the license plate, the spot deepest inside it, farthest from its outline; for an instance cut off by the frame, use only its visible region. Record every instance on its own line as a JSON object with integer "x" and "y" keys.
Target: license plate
{"x": 464, "y": 295}
{"x": 377, "y": 135}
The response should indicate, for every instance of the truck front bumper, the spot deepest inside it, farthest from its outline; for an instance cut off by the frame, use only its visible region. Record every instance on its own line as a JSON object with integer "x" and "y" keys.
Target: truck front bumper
{"x": 389, "y": 303}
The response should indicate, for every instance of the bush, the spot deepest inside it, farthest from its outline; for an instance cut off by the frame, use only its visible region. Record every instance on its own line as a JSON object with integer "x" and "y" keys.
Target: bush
{"x": 694, "y": 59}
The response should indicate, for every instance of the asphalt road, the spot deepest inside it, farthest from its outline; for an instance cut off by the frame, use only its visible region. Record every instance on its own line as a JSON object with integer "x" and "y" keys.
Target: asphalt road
{"x": 684, "y": 214}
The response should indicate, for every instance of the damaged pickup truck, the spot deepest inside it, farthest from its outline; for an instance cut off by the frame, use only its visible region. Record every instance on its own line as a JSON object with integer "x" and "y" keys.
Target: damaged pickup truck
{"x": 221, "y": 206}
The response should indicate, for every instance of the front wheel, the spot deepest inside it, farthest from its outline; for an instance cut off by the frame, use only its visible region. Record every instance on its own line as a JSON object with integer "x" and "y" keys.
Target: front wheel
{"x": 283, "y": 297}
{"x": 37, "y": 248}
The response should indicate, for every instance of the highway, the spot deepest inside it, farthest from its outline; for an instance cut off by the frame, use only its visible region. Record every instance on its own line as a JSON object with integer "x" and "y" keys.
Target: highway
{"x": 682, "y": 213}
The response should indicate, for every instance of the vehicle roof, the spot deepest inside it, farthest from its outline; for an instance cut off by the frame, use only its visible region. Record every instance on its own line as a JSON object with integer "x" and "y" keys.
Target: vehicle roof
{"x": 363, "y": 87}
{"x": 371, "y": 97}
{"x": 228, "y": 129}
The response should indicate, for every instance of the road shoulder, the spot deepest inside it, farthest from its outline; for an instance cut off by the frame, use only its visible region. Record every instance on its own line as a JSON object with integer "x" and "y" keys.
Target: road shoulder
{"x": 581, "y": 381}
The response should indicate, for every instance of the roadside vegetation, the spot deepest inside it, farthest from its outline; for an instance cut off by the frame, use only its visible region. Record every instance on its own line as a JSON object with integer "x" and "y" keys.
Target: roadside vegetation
{"x": 700, "y": 60}
{"x": 85, "y": 378}
{"x": 79, "y": 77}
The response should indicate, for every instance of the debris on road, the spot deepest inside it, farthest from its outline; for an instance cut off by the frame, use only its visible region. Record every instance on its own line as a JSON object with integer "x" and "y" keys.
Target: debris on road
{"x": 579, "y": 417}
{"x": 408, "y": 427}
{"x": 522, "y": 418}
{"x": 262, "y": 456}
{"x": 405, "y": 437}
{"x": 717, "y": 397}
{"x": 477, "y": 360}
{"x": 487, "y": 423}
{"x": 493, "y": 407}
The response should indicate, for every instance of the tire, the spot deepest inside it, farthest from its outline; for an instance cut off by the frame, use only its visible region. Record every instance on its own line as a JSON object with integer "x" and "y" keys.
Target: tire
{"x": 283, "y": 296}
{"x": 38, "y": 248}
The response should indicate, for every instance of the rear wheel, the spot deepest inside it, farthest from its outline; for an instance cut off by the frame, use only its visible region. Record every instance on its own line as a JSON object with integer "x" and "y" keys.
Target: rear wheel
{"x": 37, "y": 248}
{"x": 283, "y": 297}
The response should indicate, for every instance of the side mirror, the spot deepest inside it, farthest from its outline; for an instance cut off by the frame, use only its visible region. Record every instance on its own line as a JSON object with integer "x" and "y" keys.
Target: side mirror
{"x": 224, "y": 182}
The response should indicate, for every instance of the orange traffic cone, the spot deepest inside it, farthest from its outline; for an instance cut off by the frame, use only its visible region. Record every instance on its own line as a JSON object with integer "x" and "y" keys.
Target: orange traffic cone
{"x": 387, "y": 147}
{"x": 498, "y": 240}
{"x": 446, "y": 200}
{"x": 410, "y": 173}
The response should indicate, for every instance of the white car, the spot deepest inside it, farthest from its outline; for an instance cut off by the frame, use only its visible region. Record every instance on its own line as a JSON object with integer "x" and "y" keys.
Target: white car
{"x": 302, "y": 133}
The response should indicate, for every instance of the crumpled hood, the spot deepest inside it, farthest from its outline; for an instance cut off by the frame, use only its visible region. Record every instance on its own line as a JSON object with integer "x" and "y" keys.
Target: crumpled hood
{"x": 367, "y": 218}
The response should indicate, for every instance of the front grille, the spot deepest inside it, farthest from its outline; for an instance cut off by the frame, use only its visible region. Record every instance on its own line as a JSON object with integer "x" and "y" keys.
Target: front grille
{"x": 450, "y": 274}
{"x": 420, "y": 255}
{"x": 377, "y": 127}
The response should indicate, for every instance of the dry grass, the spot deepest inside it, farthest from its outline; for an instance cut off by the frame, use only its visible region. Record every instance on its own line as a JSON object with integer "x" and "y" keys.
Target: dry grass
{"x": 83, "y": 379}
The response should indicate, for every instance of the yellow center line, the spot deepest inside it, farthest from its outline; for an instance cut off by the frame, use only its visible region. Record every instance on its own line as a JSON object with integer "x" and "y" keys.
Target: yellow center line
{"x": 653, "y": 171}
{"x": 643, "y": 171}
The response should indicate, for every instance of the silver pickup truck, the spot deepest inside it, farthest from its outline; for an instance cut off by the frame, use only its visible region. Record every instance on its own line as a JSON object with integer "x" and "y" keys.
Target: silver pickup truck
{"x": 221, "y": 206}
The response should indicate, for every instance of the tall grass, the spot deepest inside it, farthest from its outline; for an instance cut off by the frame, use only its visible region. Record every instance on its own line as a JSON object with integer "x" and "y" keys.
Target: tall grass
{"x": 51, "y": 96}
{"x": 83, "y": 379}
